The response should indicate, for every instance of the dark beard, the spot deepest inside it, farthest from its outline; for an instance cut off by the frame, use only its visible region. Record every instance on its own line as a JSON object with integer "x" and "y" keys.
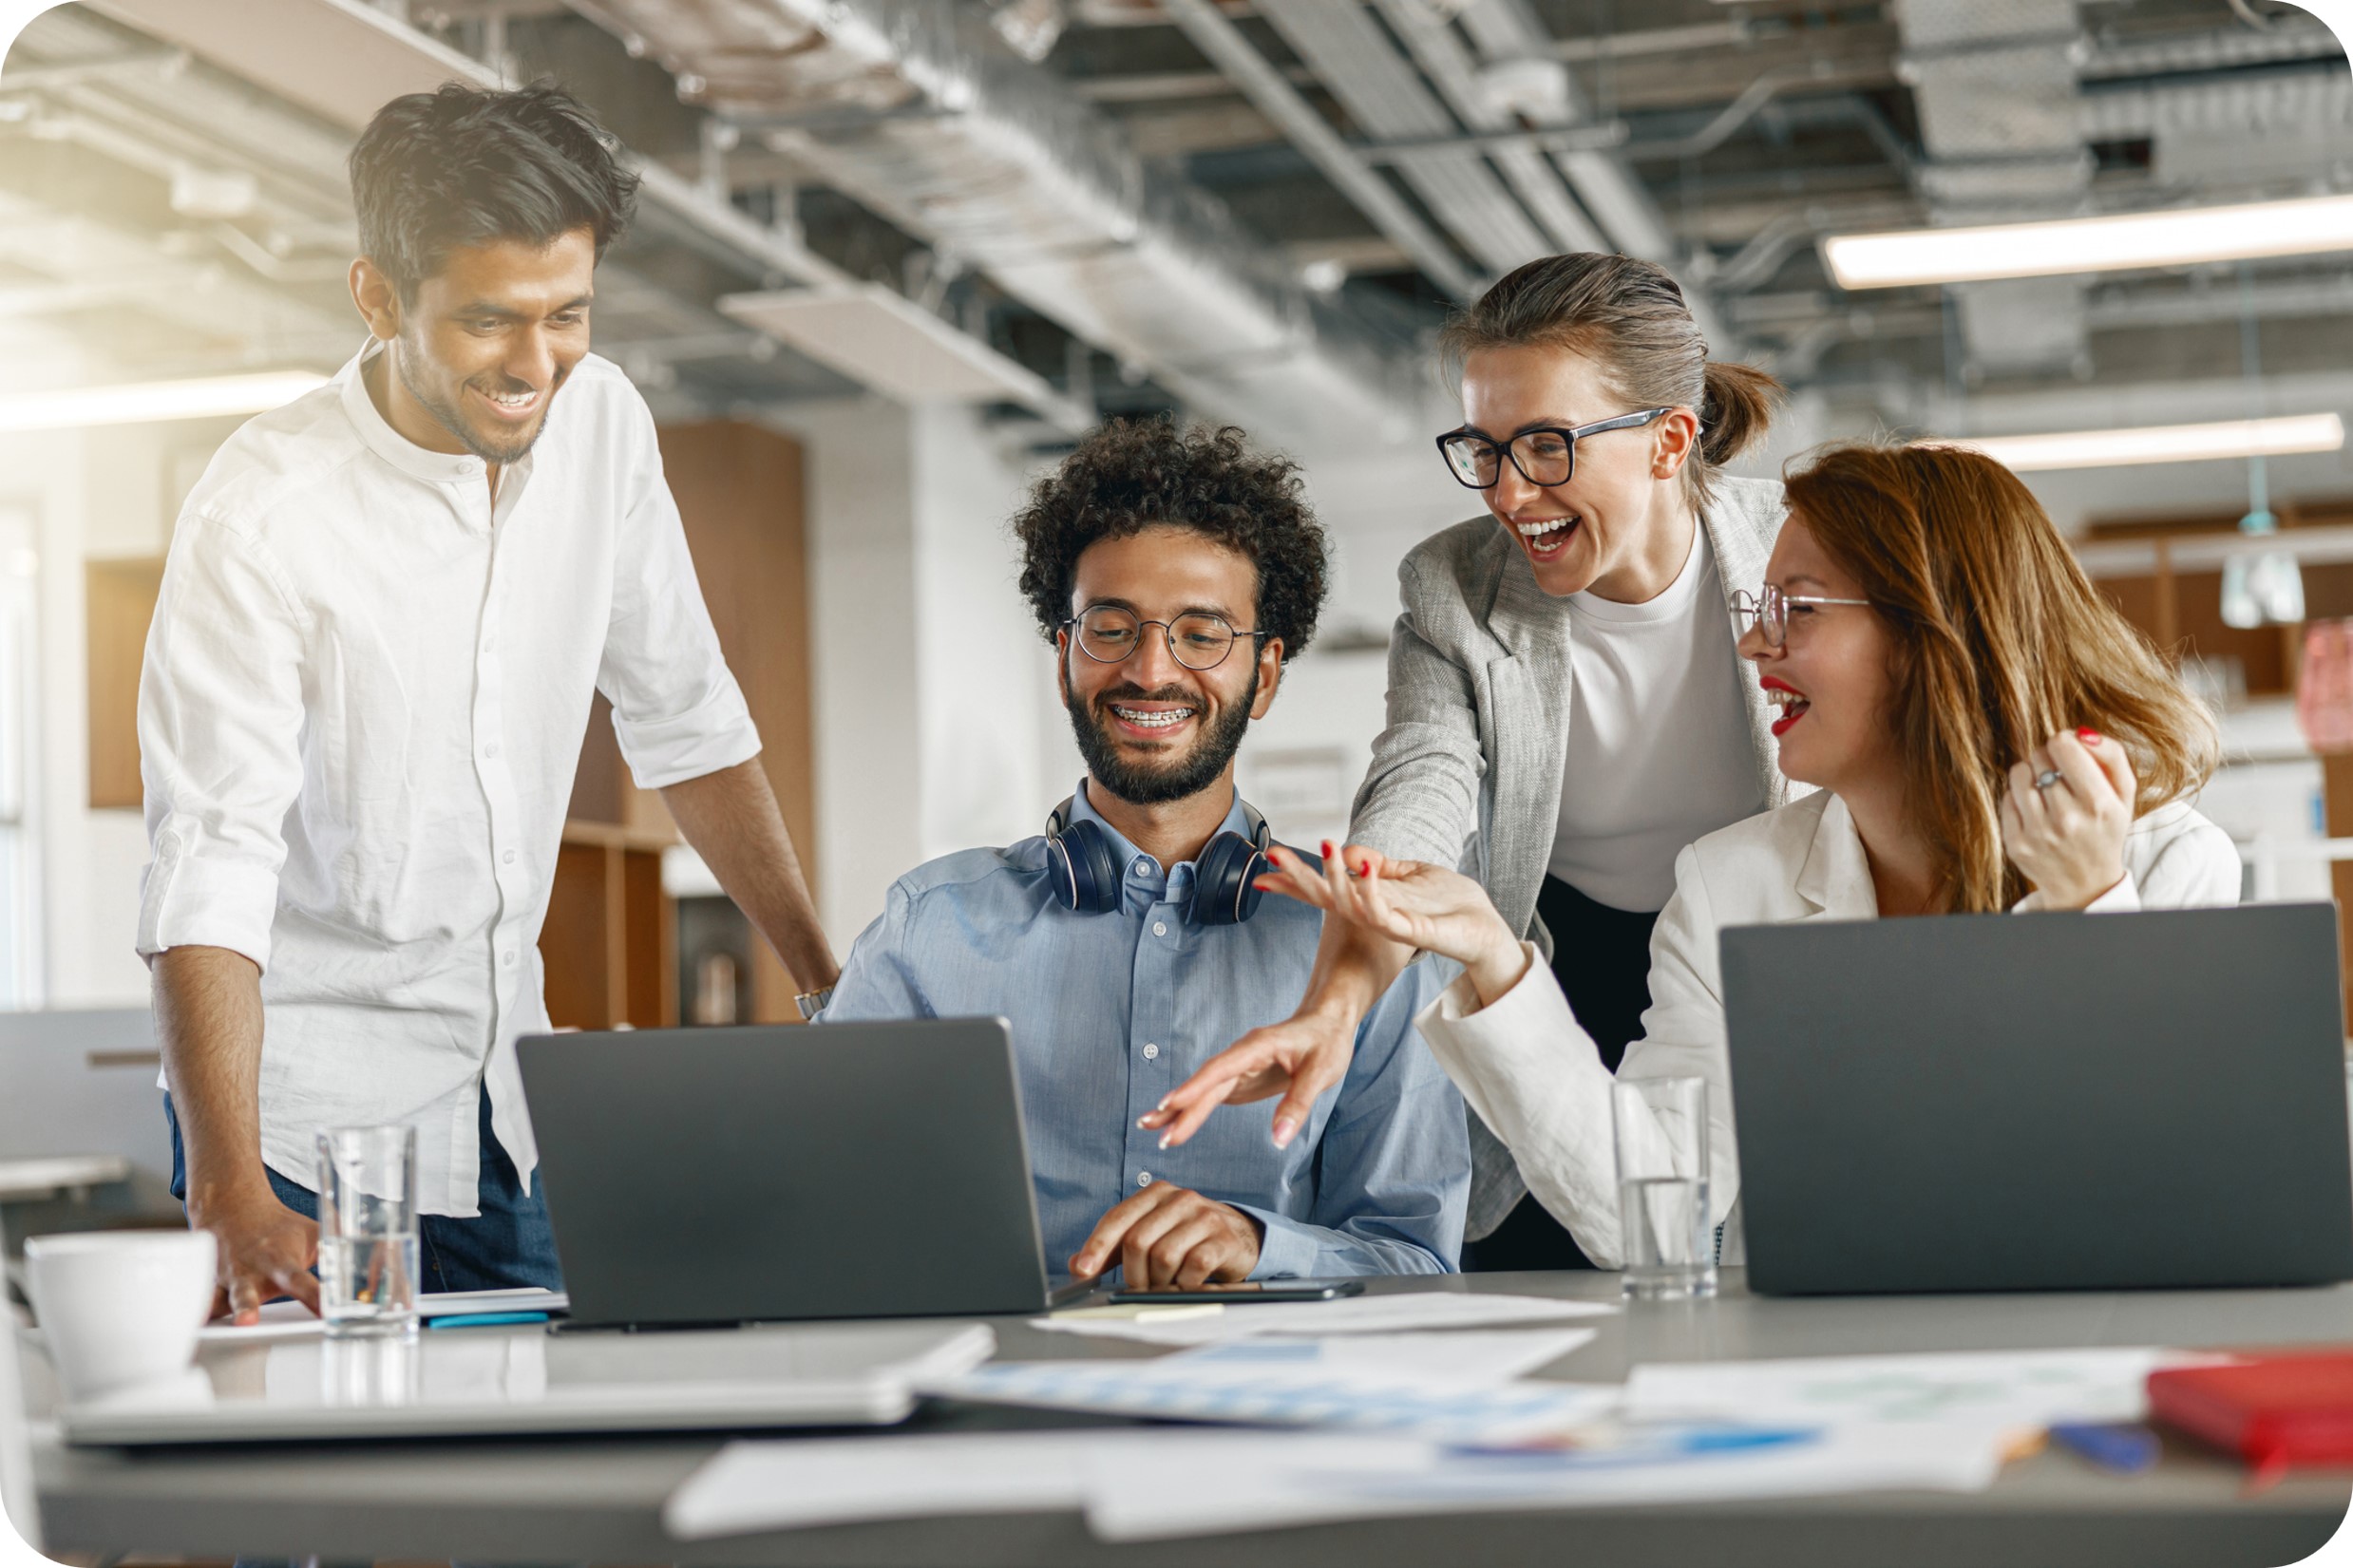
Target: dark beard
{"x": 1189, "y": 775}
{"x": 455, "y": 422}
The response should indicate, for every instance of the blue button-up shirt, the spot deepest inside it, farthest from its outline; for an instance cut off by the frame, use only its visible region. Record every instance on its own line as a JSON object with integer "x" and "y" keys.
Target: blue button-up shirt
{"x": 1110, "y": 1011}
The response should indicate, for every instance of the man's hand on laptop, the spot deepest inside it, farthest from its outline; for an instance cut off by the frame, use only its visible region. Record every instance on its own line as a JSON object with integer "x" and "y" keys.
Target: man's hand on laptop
{"x": 1169, "y": 1236}
{"x": 266, "y": 1251}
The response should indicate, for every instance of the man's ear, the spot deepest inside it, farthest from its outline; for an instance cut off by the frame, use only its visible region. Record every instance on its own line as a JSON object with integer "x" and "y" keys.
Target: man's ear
{"x": 1270, "y": 676}
{"x": 378, "y": 299}
{"x": 1062, "y": 666}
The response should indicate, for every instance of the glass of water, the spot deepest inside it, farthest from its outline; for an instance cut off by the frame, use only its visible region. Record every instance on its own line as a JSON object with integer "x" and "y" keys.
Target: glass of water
{"x": 1668, "y": 1244}
{"x": 368, "y": 1230}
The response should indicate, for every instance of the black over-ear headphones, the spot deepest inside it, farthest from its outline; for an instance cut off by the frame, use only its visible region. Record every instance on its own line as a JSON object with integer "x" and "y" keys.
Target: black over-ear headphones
{"x": 1084, "y": 868}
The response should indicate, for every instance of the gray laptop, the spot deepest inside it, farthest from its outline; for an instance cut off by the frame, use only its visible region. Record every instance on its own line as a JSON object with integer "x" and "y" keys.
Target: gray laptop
{"x": 2042, "y": 1102}
{"x": 715, "y": 1175}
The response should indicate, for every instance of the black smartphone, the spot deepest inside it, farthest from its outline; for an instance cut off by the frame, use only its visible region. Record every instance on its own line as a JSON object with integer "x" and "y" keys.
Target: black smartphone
{"x": 1243, "y": 1291}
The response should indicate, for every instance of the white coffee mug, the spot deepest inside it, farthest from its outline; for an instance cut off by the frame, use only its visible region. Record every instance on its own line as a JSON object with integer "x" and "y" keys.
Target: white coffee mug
{"x": 120, "y": 1308}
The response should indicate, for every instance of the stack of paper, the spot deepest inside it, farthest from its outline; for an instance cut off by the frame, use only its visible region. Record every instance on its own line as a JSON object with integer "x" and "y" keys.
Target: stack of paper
{"x": 1155, "y": 1484}
{"x": 1426, "y": 1423}
{"x": 1348, "y": 1315}
{"x": 2006, "y": 1389}
{"x": 1445, "y": 1388}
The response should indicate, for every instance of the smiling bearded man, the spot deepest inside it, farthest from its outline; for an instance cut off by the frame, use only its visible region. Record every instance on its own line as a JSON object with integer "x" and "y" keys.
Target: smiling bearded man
{"x": 1173, "y": 572}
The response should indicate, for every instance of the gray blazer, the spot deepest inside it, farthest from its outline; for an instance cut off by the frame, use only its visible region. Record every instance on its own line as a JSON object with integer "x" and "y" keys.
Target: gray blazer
{"x": 1469, "y": 771}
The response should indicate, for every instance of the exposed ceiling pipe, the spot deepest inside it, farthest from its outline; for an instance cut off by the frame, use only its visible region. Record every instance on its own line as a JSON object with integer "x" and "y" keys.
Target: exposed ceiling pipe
{"x": 2289, "y": 38}
{"x": 278, "y": 42}
{"x": 1440, "y": 51}
{"x": 1505, "y": 30}
{"x": 1379, "y": 89}
{"x": 1272, "y": 92}
{"x": 278, "y": 45}
{"x": 920, "y": 112}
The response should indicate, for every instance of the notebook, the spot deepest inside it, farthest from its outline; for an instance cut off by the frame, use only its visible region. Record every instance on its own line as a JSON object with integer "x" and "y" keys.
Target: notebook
{"x": 2274, "y": 1411}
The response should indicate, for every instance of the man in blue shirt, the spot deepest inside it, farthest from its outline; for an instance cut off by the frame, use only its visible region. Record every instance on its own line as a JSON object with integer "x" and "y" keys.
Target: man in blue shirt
{"x": 1174, "y": 572}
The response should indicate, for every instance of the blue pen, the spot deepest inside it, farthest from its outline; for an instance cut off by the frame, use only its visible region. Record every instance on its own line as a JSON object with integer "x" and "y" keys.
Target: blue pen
{"x": 2125, "y": 1449}
{"x": 482, "y": 1320}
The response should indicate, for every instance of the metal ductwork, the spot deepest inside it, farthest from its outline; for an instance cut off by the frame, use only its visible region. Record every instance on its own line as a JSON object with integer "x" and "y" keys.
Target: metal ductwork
{"x": 2273, "y": 127}
{"x": 919, "y": 110}
{"x": 1995, "y": 82}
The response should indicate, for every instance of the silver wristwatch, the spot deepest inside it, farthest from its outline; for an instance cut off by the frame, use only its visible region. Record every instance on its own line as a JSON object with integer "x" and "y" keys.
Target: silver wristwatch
{"x": 811, "y": 1003}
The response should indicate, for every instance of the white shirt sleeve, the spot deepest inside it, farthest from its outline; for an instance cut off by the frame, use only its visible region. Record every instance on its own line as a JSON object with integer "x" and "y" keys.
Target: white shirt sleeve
{"x": 1536, "y": 1078}
{"x": 220, "y": 715}
{"x": 2192, "y": 866}
{"x": 677, "y": 709}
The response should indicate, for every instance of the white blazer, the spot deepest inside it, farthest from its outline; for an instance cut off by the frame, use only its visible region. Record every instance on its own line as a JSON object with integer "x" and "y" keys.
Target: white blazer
{"x": 1535, "y": 1076}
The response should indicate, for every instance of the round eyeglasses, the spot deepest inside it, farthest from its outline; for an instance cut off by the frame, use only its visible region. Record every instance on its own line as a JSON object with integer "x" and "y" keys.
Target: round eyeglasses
{"x": 1197, "y": 639}
{"x": 1544, "y": 456}
{"x": 1771, "y": 609}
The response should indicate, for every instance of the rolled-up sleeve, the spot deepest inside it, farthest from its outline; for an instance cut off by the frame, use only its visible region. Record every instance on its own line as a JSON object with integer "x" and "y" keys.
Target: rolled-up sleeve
{"x": 1393, "y": 1175}
{"x": 220, "y": 716}
{"x": 677, "y": 709}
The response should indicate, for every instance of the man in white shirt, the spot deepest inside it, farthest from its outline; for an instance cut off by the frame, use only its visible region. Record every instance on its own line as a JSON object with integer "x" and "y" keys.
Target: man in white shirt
{"x": 386, "y": 609}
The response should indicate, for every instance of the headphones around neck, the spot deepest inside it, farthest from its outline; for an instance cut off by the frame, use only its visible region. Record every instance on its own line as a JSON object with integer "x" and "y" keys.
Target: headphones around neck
{"x": 1084, "y": 866}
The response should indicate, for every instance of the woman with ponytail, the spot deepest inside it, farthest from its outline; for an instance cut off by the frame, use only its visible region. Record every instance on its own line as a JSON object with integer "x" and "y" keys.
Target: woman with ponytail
{"x": 1984, "y": 732}
{"x": 1565, "y": 707}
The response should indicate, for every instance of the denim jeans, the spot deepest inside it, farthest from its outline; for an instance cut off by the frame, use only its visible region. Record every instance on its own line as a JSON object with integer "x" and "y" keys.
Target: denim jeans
{"x": 508, "y": 1244}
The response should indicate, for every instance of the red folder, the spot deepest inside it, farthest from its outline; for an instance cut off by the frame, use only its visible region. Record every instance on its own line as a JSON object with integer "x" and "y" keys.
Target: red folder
{"x": 2272, "y": 1411}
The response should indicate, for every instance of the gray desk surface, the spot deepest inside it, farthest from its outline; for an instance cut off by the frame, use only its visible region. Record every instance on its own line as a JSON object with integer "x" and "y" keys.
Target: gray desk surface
{"x": 598, "y": 1500}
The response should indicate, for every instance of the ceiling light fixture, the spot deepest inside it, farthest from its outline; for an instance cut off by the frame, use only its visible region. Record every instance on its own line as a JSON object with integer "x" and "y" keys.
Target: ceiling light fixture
{"x": 2185, "y": 236}
{"x": 2224, "y": 439}
{"x": 143, "y": 403}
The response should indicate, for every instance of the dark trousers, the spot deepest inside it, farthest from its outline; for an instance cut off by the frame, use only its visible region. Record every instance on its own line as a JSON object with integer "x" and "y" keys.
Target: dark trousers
{"x": 508, "y": 1244}
{"x": 1602, "y": 957}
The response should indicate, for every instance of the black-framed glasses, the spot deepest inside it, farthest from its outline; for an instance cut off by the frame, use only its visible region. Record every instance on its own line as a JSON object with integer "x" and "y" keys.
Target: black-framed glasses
{"x": 1544, "y": 456}
{"x": 1771, "y": 609}
{"x": 1199, "y": 639}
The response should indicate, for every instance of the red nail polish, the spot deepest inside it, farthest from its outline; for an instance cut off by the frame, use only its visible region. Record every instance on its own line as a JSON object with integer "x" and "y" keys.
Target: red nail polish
{"x": 1327, "y": 849}
{"x": 2088, "y": 735}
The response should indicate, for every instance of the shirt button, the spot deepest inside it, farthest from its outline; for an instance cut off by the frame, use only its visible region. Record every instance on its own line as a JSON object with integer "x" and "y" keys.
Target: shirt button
{"x": 1143, "y": 868}
{"x": 1144, "y": 1179}
{"x": 507, "y": 858}
{"x": 1160, "y": 928}
{"x": 506, "y": 960}
{"x": 1151, "y": 1052}
{"x": 492, "y": 749}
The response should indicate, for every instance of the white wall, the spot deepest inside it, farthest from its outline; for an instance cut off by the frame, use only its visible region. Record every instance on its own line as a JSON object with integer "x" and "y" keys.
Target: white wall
{"x": 936, "y": 717}
{"x": 92, "y": 495}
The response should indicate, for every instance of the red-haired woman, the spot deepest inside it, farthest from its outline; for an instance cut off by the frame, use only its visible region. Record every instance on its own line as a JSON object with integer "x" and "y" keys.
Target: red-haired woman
{"x": 1985, "y": 731}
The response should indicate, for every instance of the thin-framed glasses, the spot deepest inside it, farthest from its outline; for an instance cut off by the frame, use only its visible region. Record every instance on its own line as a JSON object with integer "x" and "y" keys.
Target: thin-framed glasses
{"x": 1771, "y": 609}
{"x": 1199, "y": 639}
{"x": 1544, "y": 456}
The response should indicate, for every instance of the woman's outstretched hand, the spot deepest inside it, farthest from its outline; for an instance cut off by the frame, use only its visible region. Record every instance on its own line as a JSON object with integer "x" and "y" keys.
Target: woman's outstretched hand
{"x": 1431, "y": 908}
{"x": 2068, "y": 836}
{"x": 1380, "y": 910}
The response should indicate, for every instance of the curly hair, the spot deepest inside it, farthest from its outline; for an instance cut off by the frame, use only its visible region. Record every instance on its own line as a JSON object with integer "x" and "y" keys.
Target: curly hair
{"x": 1130, "y": 476}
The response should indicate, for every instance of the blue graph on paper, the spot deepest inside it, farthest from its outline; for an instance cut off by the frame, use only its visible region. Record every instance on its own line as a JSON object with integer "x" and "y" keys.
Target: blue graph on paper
{"x": 1272, "y": 1395}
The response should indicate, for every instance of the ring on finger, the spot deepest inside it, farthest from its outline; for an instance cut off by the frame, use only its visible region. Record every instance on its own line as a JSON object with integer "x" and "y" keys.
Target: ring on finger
{"x": 2048, "y": 777}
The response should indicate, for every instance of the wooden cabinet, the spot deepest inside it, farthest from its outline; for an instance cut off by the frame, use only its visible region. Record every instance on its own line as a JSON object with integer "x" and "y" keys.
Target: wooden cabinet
{"x": 610, "y": 946}
{"x": 739, "y": 489}
{"x": 119, "y": 601}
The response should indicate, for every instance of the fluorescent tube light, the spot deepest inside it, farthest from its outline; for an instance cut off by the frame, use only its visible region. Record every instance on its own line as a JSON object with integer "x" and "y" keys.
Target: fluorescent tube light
{"x": 2230, "y": 438}
{"x": 143, "y": 403}
{"x": 2176, "y": 239}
